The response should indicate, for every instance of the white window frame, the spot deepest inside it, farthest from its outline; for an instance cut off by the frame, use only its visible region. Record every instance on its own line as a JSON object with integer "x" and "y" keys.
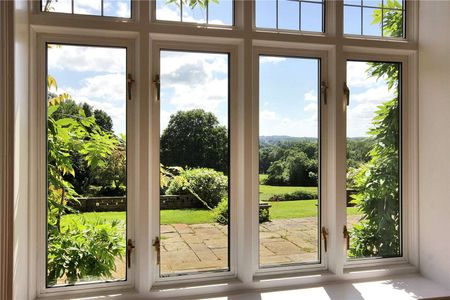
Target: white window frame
{"x": 234, "y": 185}
{"x": 323, "y": 76}
{"x": 40, "y": 157}
{"x": 142, "y": 34}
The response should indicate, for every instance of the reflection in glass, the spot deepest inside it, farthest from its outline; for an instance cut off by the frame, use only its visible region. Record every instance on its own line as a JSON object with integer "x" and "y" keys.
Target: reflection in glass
{"x": 288, "y": 161}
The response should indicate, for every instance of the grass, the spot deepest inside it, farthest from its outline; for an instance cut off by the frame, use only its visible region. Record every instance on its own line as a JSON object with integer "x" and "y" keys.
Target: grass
{"x": 279, "y": 210}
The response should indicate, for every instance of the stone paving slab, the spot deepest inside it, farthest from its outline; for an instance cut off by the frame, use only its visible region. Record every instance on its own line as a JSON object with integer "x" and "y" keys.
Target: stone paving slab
{"x": 202, "y": 247}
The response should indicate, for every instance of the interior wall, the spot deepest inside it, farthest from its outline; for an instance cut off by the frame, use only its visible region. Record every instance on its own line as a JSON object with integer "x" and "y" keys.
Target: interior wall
{"x": 434, "y": 140}
{"x": 22, "y": 280}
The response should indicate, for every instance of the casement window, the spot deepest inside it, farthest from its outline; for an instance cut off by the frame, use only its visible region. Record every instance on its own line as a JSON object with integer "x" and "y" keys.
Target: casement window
{"x": 220, "y": 146}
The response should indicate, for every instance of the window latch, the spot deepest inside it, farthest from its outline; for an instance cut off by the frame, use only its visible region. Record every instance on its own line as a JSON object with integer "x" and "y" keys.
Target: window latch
{"x": 323, "y": 89}
{"x": 325, "y": 238}
{"x": 346, "y": 237}
{"x": 130, "y": 247}
{"x": 157, "y": 83}
{"x": 347, "y": 93}
{"x": 130, "y": 82}
{"x": 157, "y": 245}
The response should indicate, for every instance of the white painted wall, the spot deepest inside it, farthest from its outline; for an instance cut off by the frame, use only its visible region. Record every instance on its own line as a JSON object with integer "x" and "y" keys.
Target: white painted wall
{"x": 22, "y": 276}
{"x": 434, "y": 140}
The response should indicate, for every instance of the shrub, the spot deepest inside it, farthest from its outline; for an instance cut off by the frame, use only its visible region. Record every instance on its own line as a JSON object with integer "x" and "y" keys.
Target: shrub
{"x": 297, "y": 195}
{"x": 84, "y": 250}
{"x": 209, "y": 185}
{"x": 220, "y": 212}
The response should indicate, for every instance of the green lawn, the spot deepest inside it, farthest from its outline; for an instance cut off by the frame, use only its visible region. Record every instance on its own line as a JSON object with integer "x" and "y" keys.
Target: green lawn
{"x": 267, "y": 191}
{"x": 279, "y": 210}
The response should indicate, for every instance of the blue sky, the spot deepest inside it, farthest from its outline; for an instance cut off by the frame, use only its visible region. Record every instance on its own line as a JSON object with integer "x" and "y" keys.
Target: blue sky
{"x": 288, "y": 86}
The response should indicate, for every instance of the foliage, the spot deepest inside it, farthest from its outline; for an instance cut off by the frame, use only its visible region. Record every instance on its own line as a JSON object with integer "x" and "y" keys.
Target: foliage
{"x": 264, "y": 215}
{"x": 193, "y": 3}
{"x": 85, "y": 250}
{"x": 207, "y": 185}
{"x": 195, "y": 139}
{"x": 393, "y": 19}
{"x": 377, "y": 181}
{"x": 221, "y": 212}
{"x": 297, "y": 195}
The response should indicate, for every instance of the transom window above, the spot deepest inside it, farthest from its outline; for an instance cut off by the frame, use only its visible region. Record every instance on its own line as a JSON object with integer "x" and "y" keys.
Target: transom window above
{"x": 211, "y": 12}
{"x": 103, "y": 8}
{"x": 381, "y": 18}
{"x": 299, "y": 15}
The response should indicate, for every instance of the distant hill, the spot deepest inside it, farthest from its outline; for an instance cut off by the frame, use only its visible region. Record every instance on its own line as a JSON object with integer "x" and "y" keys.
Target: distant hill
{"x": 274, "y": 139}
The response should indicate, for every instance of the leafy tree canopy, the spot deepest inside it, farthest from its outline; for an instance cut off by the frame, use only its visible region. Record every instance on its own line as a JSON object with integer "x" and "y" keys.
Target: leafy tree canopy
{"x": 195, "y": 139}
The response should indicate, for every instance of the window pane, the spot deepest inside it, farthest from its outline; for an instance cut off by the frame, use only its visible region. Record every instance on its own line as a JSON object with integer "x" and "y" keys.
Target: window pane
{"x": 220, "y": 13}
{"x": 86, "y": 164}
{"x": 168, "y": 11}
{"x": 61, "y": 6}
{"x": 87, "y": 7}
{"x": 288, "y": 161}
{"x": 291, "y": 14}
{"x": 193, "y": 15}
{"x": 106, "y": 8}
{"x": 373, "y": 159}
{"x": 266, "y": 16}
{"x": 195, "y": 164}
{"x": 288, "y": 15}
{"x": 369, "y": 27}
{"x": 380, "y": 18}
{"x": 352, "y": 20}
{"x": 311, "y": 17}
{"x": 117, "y": 8}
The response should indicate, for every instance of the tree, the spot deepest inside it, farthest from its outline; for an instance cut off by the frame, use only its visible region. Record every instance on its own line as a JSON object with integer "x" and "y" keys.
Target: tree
{"x": 82, "y": 249}
{"x": 377, "y": 181}
{"x": 195, "y": 139}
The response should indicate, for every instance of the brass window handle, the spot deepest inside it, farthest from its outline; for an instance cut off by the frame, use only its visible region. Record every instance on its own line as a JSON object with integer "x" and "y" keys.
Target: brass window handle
{"x": 130, "y": 247}
{"x": 130, "y": 82}
{"x": 323, "y": 89}
{"x": 346, "y": 237}
{"x": 347, "y": 93}
{"x": 157, "y": 245}
{"x": 325, "y": 237}
{"x": 157, "y": 83}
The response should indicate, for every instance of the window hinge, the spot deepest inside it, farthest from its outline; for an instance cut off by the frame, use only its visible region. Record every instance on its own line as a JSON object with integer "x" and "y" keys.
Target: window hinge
{"x": 323, "y": 90}
{"x": 157, "y": 245}
{"x": 325, "y": 238}
{"x": 346, "y": 237}
{"x": 347, "y": 93}
{"x": 130, "y": 82}
{"x": 130, "y": 247}
{"x": 157, "y": 83}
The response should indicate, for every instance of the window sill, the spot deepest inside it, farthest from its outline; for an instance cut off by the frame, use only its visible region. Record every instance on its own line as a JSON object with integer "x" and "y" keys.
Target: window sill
{"x": 411, "y": 286}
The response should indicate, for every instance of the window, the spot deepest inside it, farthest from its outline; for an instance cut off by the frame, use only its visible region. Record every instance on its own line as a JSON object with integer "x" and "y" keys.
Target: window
{"x": 211, "y": 13}
{"x": 289, "y": 171}
{"x": 382, "y": 18}
{"x": 168, "y": 153}
{"x": 373, "y": 159}
{"x": 296, "y": 15}
{"x": 104, "y": 8}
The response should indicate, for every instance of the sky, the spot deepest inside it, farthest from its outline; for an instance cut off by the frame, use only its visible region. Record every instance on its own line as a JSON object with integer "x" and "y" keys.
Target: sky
{"x": 288, "y": 86}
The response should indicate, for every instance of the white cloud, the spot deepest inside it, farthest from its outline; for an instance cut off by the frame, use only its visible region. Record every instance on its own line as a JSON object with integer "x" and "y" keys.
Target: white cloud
{"x": 310, "y": 96}
{"x": 89, "y": 7}
{"x": 357, "y": 76}
{"x": 194, "y": 80}
{"x": 106, "y": 92}
{"x": 87, "y": 59}
{"x": 168, "y": 13}
{"x": 271, "y": 59}
{"x": 268, "y": 115}
{"x": 311, "y": 107}
{"x": 304, "y": 127}
{"x": 124, "y": 10}
{"x": 378, "y": 94}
